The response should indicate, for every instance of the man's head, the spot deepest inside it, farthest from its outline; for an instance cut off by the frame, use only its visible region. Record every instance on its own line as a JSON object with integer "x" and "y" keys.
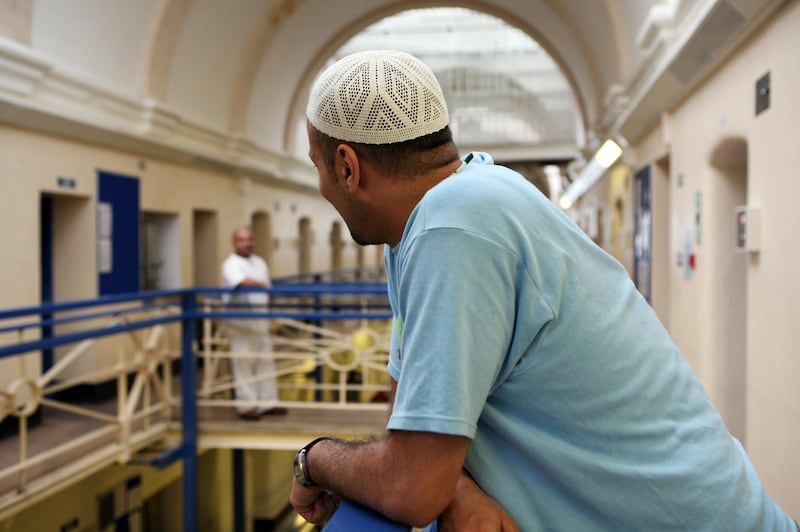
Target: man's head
{"x": 378, "y": 120}
{"x": 243, "y": 242}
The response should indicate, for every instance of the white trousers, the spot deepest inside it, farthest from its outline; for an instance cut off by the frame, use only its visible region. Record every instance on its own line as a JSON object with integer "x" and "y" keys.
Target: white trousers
{"x": 253, "y": 370}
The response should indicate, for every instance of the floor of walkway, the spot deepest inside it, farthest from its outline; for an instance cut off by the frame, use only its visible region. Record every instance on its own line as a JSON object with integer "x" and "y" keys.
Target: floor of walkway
{"x": 217, "y": 427}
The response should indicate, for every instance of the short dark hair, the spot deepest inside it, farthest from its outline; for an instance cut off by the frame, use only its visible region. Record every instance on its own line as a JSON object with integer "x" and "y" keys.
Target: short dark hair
{"x": 401, "y": 159}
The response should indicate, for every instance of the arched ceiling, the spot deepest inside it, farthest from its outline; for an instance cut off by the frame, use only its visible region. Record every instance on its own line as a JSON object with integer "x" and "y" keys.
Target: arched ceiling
{"x": 505, "y": 93}
{"x": 224, "y": 83}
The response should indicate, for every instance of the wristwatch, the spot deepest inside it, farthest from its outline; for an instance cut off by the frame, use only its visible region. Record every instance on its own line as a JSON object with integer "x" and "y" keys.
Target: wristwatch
{"x": 299, "y": 464}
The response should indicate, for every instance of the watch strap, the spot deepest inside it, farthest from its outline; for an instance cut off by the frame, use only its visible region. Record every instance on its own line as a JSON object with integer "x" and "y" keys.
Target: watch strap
{"x": 300, "y": 466}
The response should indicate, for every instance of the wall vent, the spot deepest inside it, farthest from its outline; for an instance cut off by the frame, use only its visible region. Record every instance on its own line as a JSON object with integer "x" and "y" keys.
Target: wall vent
{"x": 722, "y": 24}
{"x": 726, "y": 25}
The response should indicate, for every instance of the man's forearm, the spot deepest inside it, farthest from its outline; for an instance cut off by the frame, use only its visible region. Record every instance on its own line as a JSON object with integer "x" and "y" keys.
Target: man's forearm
{"x": 252, "y": 282}
{"x": 407, "y": 476}
{"x": 348, "y": 469}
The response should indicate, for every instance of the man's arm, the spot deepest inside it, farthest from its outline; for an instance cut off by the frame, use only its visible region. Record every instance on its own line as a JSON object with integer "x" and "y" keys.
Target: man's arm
{"x": 368, "y": 476}
{"x": 252, "y": 282}
{"x": 470, "y": 508}
{"x": 460, "y": 503}
{"x": 407, "y": 476}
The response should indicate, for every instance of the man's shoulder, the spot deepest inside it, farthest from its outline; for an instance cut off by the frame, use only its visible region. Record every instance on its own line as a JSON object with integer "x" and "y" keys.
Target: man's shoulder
{"x": 257, "y": 261}
{"x": 233, "y": 257}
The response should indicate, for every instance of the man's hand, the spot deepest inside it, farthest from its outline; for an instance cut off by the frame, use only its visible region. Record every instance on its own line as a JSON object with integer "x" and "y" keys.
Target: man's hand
{"x": 474, "y": 511}
{"x": 314, "y": 504}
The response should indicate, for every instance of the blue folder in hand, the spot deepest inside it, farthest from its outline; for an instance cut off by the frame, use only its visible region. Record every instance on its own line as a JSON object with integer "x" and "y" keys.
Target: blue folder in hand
{"x": 352, "y": 517}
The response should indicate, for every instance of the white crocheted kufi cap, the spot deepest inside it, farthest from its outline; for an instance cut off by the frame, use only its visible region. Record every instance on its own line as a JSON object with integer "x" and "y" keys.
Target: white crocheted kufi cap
{"x": 377, "y": 97}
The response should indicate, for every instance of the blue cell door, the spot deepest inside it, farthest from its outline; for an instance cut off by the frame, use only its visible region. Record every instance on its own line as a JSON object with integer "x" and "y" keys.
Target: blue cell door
{"x": 117, "y": 233}
{"x": 46, "y": 257}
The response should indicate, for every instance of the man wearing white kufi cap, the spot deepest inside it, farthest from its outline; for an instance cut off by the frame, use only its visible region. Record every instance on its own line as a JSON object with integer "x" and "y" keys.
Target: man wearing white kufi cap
{"x": 533, "y": 386}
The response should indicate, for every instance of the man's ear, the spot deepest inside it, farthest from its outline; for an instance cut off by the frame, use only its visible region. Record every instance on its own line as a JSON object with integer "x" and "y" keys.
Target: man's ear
{"x": 348, "y": 167}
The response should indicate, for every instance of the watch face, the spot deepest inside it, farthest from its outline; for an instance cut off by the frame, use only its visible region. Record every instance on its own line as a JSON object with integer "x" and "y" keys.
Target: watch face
{"x": 298, "y": 472}
{"x": 299, "y": 469}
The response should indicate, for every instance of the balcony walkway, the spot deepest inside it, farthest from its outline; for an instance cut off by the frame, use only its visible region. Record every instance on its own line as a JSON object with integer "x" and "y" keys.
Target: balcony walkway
{"x": 172, "y": 401}
{"x": 224, "y": 429}
{"x": 217, "y": 428}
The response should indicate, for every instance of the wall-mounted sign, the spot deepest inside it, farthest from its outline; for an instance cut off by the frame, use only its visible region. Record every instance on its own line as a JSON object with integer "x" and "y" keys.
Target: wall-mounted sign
{"x": 65, "y": 182}
{"x": 698, "y": 222}
{"x": 748, "y": 229}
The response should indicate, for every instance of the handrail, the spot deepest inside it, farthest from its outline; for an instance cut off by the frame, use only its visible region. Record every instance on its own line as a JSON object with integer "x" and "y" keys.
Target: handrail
{"x": 277, "y": 289}
{"x": 55, "y": 341}
{"x": 351, "y": 516}
{"x": 50, "y": 308}
{"x": 145, "y": 406}
{"x": 72, "y": 319}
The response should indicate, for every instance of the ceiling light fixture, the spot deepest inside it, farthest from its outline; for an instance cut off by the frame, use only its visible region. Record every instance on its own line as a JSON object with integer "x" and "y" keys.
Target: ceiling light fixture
{"x": 606, "y": 156}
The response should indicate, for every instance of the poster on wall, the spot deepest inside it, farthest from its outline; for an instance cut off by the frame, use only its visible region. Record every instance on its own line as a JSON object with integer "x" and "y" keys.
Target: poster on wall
{"x": 642, "y": 231}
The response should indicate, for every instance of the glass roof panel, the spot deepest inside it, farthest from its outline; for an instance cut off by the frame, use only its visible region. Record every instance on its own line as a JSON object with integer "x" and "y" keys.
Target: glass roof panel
{"x": 503, "y": 90}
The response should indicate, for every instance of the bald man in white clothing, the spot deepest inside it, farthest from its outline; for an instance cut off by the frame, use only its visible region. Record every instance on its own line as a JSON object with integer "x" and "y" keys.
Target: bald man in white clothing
{"x": 253, "y": 375}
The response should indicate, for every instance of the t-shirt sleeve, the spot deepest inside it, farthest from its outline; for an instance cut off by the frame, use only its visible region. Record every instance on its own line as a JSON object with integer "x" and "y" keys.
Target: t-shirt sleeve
{"x": 232, "y": 274}
{"x": 455, "y": 306}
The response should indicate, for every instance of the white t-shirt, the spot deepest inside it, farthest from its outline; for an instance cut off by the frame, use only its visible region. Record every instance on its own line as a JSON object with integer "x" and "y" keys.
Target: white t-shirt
{"x": 236, "y": 269}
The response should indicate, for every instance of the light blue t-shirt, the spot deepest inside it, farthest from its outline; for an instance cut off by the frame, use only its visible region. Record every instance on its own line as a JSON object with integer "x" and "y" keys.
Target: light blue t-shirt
{"x": 512, "y": 328}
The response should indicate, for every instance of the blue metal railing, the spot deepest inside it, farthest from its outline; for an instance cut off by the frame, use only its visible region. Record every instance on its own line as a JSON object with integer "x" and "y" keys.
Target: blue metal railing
{"x": 327, "y": 301}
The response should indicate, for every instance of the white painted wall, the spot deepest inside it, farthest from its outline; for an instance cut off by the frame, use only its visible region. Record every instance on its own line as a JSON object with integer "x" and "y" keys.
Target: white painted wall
{"x": 32, "y": 164}
{"x": 748, "y": 361}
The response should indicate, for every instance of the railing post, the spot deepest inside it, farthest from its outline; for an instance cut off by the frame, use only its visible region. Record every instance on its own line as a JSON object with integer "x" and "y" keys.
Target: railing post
{"x": 239, "y": 514}
{"x": 318, "y": 375}
{"x": 189, "y": 411}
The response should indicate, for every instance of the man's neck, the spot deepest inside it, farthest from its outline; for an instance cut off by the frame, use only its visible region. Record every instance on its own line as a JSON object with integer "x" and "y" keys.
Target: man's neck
{"x": 412, "y": 194}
